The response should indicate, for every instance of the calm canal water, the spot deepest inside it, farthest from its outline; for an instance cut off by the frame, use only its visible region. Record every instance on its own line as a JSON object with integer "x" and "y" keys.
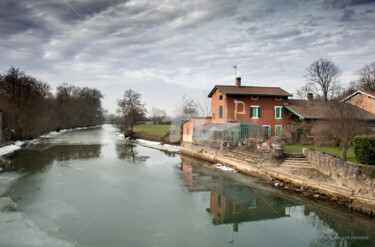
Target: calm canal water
{"x": 92, "y": 188}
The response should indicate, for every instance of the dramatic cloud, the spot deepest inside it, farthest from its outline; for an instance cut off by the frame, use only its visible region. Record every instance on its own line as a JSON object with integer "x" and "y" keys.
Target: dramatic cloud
{"x": 165, "y": 49}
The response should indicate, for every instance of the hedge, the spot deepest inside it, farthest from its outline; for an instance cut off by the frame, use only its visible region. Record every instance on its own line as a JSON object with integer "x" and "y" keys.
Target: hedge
{"x": 364, "y": 149}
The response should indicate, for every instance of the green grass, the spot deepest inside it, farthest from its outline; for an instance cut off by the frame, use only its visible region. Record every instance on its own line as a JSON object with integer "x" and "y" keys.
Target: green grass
{"x": 152, "y": 129}
{"x": 350, "y": 156}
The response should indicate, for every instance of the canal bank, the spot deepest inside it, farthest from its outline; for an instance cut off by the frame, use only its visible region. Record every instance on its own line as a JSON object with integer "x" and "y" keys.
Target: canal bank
{"x": 294, "y": 176}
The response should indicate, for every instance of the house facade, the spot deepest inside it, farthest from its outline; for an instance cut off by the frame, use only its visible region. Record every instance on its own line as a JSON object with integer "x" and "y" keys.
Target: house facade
{"x": 261, "y": 106}
{"x": 362, "y": 99}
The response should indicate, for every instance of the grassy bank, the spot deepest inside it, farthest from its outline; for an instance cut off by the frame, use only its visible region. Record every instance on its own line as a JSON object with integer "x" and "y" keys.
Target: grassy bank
{"x": 154, "y": 132}
{"x": 297, "y": 148}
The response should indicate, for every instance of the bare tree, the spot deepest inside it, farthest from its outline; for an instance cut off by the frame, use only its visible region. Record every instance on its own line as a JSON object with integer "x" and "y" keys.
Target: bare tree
{"x": 157, "y": 115}
{"x": 132, "y": 110}
{"x": 204, "y": 105}
{"x": 342, "y": 125}
{"x": 366, "y": 79}
{"x": 322, "y": 78}
{"x": 188, "y": 108}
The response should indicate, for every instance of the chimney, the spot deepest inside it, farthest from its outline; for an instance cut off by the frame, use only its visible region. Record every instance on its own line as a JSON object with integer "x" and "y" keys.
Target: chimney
{"x": 310, "y": 98}
{"x": 238, "y": 82}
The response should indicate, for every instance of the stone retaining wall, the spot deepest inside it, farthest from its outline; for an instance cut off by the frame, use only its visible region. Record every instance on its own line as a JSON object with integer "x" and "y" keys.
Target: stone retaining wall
{"x": 347, "y": 173}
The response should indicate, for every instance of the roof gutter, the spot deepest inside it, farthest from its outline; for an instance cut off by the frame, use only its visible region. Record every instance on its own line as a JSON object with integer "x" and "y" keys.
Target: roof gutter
{"x": 300, "y": 117}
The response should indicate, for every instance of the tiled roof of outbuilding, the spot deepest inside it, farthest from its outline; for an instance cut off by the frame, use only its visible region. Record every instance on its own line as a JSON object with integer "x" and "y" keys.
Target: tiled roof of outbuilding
{"x": 320, "y": 110}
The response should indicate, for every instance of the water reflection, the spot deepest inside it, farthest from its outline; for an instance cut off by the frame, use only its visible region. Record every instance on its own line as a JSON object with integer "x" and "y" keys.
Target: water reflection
{"x": 234, "y": 203}
{"x": 38, "y": 157}
{"x": 128, "y": 151}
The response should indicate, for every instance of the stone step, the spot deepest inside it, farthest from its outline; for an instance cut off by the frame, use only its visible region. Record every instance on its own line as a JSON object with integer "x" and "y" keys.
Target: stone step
{"x": 292, "y": 158}
{"x": 294, "y": 155}
{"x": 297, "y": 161}
{"x": 297, "y": 166}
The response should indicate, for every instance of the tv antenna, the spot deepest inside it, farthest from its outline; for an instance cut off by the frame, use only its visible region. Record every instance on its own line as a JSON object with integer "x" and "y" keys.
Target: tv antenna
{"x": 235, "y": 70}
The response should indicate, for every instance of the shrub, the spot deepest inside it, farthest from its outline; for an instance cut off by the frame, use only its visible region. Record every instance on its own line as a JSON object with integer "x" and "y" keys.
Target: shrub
{"x": 364, "y": 149}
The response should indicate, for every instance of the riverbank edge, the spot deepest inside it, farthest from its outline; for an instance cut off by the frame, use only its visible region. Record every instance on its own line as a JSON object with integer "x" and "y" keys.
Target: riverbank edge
{"x": 7, "y": 144}
{"x": 310, "y": 189}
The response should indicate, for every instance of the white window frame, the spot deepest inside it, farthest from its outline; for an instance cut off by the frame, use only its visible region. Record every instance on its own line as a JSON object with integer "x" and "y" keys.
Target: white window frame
{"x": 278, "y": 98}
{"x": 257, "y": 111}
{"x": 254, "y": 97}
{"x": 280, "y": 115}
{"x": 281, "y": 129}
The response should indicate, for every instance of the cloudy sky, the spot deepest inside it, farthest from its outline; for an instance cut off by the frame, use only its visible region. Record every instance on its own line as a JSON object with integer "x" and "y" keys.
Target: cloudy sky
{"x": 165, "y": 49}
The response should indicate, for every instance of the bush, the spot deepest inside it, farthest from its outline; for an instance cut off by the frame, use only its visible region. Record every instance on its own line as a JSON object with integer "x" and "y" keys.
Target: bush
{"x": 364, "y": 149}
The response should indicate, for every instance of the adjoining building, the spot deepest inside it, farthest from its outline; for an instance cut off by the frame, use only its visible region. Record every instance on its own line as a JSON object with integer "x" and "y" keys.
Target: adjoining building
{"x": 362, "y": 99}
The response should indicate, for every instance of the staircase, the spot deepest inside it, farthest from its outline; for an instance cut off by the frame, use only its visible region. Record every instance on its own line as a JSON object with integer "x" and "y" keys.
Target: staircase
{"x": 296, "y": 160}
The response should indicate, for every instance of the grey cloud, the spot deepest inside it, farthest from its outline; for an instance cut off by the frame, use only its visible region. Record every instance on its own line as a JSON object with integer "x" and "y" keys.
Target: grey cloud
{"x": 282, "y": 35}
{"x": 348, "y": 15}
{"x": 259, "y": 14}
{"x": 344, "y": 3}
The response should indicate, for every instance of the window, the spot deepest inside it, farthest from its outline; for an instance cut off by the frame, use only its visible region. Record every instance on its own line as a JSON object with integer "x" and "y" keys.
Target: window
{"x": 221, "y": 97}
{"x": 219, "y": 201}
{"x": 187, "y": 131}
{"x": 278, "y": 130}
{"x": 279, "y": 112}
{"x": 220, "y": 112}
{"x": 213, "y": 115}
{"x": 254, "y": 97}
{"x": 268, "y": 130}
{"x": 278, "y": 98}
{"x": 253, "y": 203}
{"x": 254, "y": 112}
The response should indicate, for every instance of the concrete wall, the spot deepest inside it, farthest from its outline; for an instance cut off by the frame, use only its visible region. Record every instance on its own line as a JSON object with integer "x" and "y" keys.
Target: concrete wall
{"x": 346, "y": 173}
{"x": 364, "y": 102}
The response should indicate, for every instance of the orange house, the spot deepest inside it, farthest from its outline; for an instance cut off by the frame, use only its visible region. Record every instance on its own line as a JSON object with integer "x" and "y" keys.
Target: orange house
{"x": 257, "y": 105}
{"x": 363, "y": 99}
{"x": 262, "y": 106}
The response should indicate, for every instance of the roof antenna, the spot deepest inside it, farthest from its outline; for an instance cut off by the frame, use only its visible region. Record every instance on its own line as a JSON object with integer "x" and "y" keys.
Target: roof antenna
{"x": 235, "y": 71}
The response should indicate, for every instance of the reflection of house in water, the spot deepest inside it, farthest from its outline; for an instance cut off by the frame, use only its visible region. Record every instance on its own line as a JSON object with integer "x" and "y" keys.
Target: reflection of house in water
{"x": 188, "y": 178}
{"x": 232, "y": 204}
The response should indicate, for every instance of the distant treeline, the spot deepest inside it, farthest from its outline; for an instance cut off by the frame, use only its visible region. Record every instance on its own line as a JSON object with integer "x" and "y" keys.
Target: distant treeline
{"x": 30, "y": 109}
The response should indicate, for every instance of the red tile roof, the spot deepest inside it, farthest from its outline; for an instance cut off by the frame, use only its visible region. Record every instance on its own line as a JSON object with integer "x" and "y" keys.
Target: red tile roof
{"x": 250, "y": 90}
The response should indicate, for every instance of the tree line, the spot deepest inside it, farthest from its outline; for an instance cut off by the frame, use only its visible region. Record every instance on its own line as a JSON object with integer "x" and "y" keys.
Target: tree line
{"x": 30, "y": 109}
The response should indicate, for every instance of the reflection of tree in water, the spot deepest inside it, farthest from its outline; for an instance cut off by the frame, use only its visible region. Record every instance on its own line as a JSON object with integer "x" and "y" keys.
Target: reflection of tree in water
{"x": 169, "y": 154}
{"x": 127, "y": 151}
{"x": 37, "y": 159}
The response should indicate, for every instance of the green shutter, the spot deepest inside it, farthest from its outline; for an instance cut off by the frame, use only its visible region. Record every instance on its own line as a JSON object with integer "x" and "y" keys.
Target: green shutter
{"x": 258, "y": 112}
{"x": 269, "y": 131}
{"x": 251, "y": 112}
{"x": 277, "y": 112}
{"x": 282, "y": 112}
